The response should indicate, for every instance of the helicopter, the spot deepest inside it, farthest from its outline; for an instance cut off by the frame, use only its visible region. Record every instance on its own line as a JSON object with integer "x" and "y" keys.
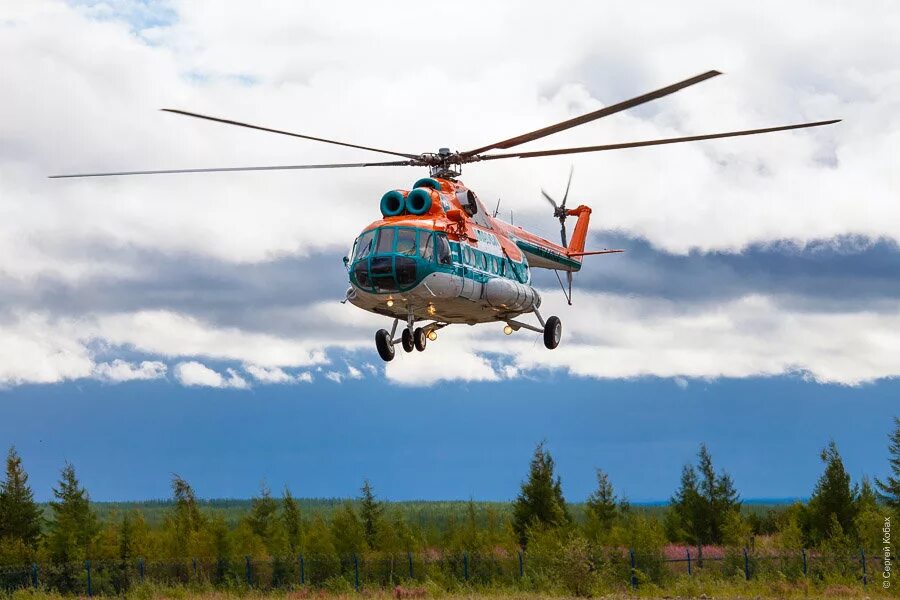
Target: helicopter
{"x": 438, "y": 257}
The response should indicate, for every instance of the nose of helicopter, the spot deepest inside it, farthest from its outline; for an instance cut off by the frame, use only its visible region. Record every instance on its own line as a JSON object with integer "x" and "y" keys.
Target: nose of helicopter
{"x": 385, "y": 273}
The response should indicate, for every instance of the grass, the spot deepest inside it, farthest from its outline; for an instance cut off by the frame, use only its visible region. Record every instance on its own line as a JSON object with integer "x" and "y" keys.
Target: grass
{"x": 680, "y": 588}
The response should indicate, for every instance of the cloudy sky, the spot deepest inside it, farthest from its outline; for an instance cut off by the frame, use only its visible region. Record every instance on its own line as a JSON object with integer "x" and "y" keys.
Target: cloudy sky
{"x": 146, "y": 317}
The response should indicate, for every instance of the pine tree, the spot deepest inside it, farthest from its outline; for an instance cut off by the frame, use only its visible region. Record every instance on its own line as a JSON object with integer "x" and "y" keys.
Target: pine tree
{"x": 293, "y": 521}
{"x": 602, "y": 505}
{"x": 541, "y": 502}
{"x": 889, "y": 489}
{"x": 20, "y": 516}
{"x": 185, "y": 521}
{"x": 74, "y": 526}
{"x": 370, "y": 511}
{"x": 347, "y": 531}
{"x": 833, "y": 499}
{"x": 702, "y": 505}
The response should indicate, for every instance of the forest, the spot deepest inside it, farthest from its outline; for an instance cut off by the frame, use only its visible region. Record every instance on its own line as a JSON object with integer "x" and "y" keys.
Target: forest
{"x": 539, "y": 540}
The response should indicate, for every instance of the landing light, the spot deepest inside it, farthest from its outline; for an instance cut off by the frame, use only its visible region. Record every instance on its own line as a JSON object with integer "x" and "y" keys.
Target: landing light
{"x": 508, "y": 330}
{"x": 432, "y": 335}
{"x": 390, "y": 302}
{"x": 431, "y": 309}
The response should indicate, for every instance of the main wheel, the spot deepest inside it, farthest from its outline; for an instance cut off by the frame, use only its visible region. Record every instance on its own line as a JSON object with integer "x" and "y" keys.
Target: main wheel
{"x": 384, "y": 345}
{"x": 406, "y": 339}
{"x": 421, "y": 338}
{"x": 552, "y": 332}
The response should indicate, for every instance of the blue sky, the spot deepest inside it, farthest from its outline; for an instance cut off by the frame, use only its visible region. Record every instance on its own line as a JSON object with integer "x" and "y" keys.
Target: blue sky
{"x": 192, "y": 324}
{"x": 453, "y": 441}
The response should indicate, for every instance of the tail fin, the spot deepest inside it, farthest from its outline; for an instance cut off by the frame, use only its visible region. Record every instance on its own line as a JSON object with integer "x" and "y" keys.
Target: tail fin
{"x": 579, "y": 235}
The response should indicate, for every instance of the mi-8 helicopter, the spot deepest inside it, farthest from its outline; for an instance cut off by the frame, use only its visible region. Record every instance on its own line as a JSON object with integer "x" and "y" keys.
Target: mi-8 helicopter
{"x": 438, "y": 257}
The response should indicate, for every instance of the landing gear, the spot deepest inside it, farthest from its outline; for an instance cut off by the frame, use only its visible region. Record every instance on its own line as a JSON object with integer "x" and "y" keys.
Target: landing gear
{"x": 420, "y": 338}
{"x": 552, "y": 332}
{"x": 384, "y": 345}
{"x": 406, "y": 340}
{"x": 410, "y": 338}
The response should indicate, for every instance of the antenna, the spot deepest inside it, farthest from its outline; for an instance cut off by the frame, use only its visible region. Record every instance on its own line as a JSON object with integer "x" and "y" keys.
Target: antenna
{"x": 497, "y": 209}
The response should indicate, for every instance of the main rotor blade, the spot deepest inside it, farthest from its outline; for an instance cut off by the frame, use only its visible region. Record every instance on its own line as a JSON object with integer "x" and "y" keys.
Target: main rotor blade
{"x": 678, "y": 140}
{"x": 592, "y": 116}
{"x": 298, "y": 135}
{"x": 568, "y": 185}
{"x": 397, "y": 163}
{"x": 549, "y": 199}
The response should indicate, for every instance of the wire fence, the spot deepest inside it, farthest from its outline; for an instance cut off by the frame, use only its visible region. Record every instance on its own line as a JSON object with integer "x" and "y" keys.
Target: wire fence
{"x": 381, "y": 570}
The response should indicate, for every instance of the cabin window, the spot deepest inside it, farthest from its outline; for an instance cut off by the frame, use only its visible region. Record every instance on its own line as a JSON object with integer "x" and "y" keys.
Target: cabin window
{"x": 385, "y": 240}
{"x": 426, "y": 245}
{"x": 443, "y": 250}
{"x": 364, "y": 245}
{"x": 406, "y": 242}
{"x": 482, "y": 261}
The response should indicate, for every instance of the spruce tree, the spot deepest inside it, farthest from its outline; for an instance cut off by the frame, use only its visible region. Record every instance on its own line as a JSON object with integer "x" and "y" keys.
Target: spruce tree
{"x": 20, "y": 516}
{"x": 293, "y": 521}
{"x": 540, "y": 502}
{"x": 370, "y": 511}
{"x": 263, "y": 513}
{"x": 833, "y": 500}
{"x": 889, "y": 489}
{"x": 74, "y": 526}
{"x": 702, "y": 505}
{"x": 601, "y": 504}
{"x": 685, "y": 518}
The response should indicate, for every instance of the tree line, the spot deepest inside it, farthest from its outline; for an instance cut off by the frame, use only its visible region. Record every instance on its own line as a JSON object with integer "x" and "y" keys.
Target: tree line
{"x": 705, "y": 510}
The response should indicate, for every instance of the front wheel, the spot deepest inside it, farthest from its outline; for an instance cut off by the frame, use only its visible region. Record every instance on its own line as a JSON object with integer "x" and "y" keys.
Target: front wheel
{"x": 421, "y": 339}
{"x": 384, "y": 345}
{"x": 552, "y": 332}
{"x": 406, "y": 340}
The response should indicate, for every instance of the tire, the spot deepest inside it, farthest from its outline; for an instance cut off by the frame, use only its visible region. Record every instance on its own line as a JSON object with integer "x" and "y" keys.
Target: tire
{"x": 421, "y": 339}
{"x": 552, "y": 332}
{"x": 406, "y": 340}
{"x": 384, "y": 345}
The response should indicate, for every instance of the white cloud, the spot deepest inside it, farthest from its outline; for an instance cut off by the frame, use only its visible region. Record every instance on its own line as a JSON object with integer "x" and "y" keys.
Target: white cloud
{"x": 193, "y": 373}
{"x": 353, "y": 372}
{"x": 314, "y": 71}
{"x": 334, "y": 376}
{"x": 121, "y": 370}
{"x": 269, "y": 375}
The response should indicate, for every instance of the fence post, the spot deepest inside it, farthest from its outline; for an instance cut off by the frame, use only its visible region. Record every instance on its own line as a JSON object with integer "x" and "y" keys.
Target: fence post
{"x": 633, "y": 574}
{"x": 302, "y": 571}
{"x": 746, "y": 566}
{"x": 34, "y": 575}
{"x": 805, "y": 567}
{"x": 410, "y": 561}
{"x": 249, "y": 572}
{"x": 87, "y": 566}
{"x": 688, "y": 550}
{"x": 195, "y": 568}
{"x": 521, "y": 566}
{"x": 862, "y": 558}
{"x": 466, "y": 566}
{"x": 356, "y": 571}
{"x": 141, "y": 569}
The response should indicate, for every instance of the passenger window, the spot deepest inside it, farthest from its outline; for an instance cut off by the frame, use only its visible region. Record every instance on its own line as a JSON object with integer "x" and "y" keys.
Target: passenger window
{"x": 443, "y": 250}
{"x": 482, "y": 261}
{"x": 426, "y": 245}
{"x": 385, "y": 240}
{"x": 406, "y": 242}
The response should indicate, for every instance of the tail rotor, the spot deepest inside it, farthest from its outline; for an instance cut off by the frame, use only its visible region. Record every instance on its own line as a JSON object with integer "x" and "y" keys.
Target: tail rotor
{"x": 559, "y": 211}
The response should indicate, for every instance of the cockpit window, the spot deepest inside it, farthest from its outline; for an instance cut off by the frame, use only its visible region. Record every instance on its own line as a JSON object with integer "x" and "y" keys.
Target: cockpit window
{"x": 364, "y": 245}
{"x": 443, "y": 250}
{"x": 406, "y": 242}
{"x": 426, "y": 245}
{"x": 385, "y": 240}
